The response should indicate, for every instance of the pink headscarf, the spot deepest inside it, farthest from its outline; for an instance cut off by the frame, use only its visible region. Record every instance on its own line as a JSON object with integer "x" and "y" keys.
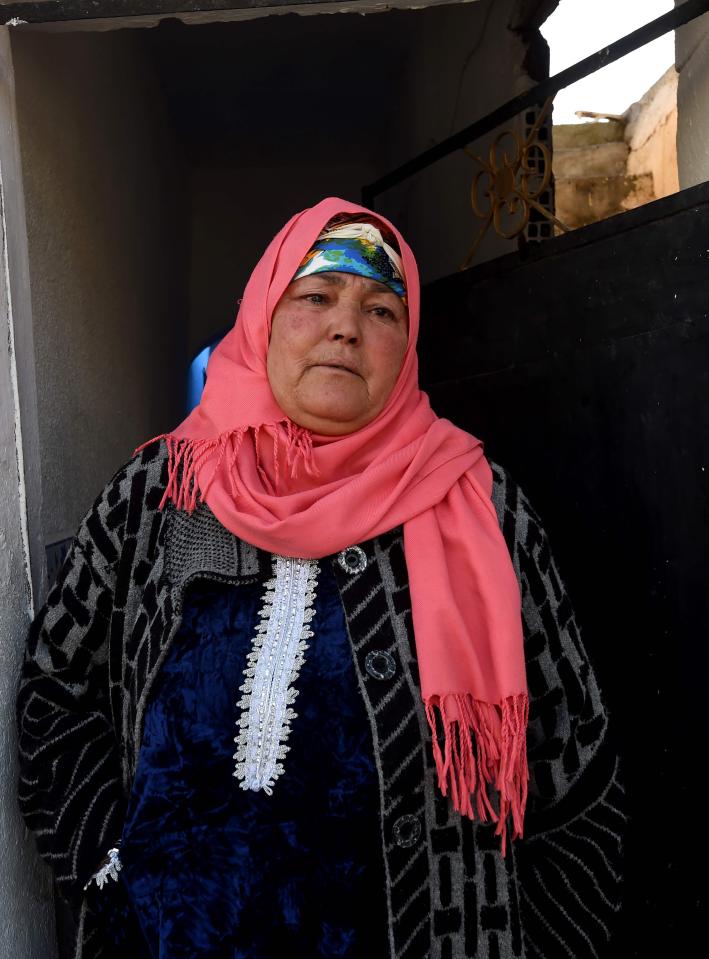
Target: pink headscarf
{"x": 289, "y": 491}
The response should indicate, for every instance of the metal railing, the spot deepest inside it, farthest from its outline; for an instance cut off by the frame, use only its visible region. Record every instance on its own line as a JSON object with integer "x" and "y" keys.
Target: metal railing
{"x": 537, "y": 95}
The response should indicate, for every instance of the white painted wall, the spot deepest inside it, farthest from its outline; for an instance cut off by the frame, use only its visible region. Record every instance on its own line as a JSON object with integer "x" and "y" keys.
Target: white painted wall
{"x": 26, "y": 906}
{"x": 26, "y": 910}
{"x": 107, "y": 237}
{"x": 692, "y": 61}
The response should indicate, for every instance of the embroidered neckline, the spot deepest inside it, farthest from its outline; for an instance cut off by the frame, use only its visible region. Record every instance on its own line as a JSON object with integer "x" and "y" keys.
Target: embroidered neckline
{"x": 273, "y": 666}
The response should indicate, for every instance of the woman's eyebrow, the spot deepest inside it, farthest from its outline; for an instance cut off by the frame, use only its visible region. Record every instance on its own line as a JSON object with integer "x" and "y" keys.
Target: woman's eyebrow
{"x": 374, "y": 286}
{"x": 335, "y": 278}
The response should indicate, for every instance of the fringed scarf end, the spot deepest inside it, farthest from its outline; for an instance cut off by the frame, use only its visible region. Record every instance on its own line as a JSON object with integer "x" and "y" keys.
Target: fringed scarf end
{"x": 185, "y": 459}
{"x": 299, "y": 449}
{"x": 484, "y": 752}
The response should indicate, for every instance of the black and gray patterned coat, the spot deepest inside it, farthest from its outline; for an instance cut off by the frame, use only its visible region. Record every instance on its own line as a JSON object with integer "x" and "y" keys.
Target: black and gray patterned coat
{"x": 97, "y": 645}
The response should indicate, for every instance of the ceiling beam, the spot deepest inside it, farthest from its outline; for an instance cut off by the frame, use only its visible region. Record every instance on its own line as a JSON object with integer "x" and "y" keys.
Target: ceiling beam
{"x": 16, "y": 13}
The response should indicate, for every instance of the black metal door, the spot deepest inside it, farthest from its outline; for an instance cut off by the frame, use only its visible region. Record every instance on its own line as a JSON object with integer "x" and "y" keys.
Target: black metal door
{"x": 584, "y": 365}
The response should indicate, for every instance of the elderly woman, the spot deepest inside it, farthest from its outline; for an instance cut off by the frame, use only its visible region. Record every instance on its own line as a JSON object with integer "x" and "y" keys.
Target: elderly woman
{"x": 278, "y": 701}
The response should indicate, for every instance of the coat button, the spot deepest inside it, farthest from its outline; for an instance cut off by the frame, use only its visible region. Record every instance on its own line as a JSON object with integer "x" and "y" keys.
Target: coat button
{"x": 380, "y": 664}
{"x": 407, "y": 831}
{"x": 353, "y": 559}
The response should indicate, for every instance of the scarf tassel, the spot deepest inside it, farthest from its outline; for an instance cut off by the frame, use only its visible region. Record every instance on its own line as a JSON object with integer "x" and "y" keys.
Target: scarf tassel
{"x": 186, "y": 457}
{"x": 481, "y": 752}
{"x": 299, "y": 449}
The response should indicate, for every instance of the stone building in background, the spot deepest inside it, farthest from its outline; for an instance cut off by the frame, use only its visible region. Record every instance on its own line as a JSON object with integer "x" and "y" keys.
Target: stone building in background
{"x": 613, "y": 164}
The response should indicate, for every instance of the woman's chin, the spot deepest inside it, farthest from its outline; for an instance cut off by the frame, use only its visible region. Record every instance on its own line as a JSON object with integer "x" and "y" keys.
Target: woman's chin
{"x": 330, "y": 421}
{"x": 328, "y": 424}
{"x": 332, "y": 412}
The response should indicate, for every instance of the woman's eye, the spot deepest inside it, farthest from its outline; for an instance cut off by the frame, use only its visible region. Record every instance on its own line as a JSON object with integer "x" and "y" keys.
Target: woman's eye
{"x": 316, "y": 298}
{"x": 383, "y": 311}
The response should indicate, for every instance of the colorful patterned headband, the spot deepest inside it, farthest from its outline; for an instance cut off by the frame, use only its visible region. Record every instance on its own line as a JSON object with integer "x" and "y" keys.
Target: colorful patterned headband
{"x": 355, "y": 248}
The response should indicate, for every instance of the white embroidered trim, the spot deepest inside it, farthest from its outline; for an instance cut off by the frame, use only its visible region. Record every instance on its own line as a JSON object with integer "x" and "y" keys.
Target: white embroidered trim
{"x": 108, "y": 871}
{"x": 273, "y": 666}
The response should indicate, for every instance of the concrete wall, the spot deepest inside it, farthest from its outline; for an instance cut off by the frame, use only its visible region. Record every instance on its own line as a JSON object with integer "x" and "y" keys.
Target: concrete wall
{"x": 464, "y": 62}
{"x": 692, "y": 62}
{"x": 430, "y": 73}
{"x": 651, "y": 134}
{"x": 232, "y": 227}
{"x": 107, "y": 236}
{"x": 26, "y": 907}
{"x": 26, "y": 911}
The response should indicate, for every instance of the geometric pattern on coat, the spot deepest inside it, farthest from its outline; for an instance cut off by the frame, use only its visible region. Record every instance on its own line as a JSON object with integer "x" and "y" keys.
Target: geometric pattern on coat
{"x": 97, "y": 644}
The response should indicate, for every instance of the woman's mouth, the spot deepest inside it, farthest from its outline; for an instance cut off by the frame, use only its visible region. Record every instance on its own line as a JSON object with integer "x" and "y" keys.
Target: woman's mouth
{"x": 338, "y": 366}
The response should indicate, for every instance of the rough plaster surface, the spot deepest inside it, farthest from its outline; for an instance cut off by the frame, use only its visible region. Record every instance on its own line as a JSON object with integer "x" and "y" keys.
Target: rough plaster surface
{"x": 573, "y": 136}
{"x": 107, "y": 254}
{"x": 26, "y": 912}
{"x": 644, "y": 116}
{"x": 602, "y": 159}
{"x": 692, "y": 61}
{"x": 651, "y": 133}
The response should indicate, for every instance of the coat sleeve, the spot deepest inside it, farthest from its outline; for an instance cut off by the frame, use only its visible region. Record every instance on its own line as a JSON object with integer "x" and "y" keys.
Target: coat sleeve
{"x": 70, "y": 791}
{"x": 569, "y": 863}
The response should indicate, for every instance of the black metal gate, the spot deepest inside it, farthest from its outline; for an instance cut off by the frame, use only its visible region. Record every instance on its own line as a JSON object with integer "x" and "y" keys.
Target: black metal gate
{"x": 585, "y": 365}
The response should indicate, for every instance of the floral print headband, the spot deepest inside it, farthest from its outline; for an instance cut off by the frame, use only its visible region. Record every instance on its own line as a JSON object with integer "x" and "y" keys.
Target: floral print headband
{"x": 356, "y": 248}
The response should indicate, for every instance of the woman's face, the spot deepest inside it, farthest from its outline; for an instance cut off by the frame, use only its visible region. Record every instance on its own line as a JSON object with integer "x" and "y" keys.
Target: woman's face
{"x": 337, "y": 344}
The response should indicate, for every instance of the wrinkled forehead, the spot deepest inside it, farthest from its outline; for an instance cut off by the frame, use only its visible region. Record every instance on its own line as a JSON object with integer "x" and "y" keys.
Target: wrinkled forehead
{"x": 338, "y": 277}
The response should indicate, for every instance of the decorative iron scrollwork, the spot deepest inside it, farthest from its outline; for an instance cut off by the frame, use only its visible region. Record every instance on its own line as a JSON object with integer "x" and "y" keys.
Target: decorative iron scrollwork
{"x": 510, "y": 183}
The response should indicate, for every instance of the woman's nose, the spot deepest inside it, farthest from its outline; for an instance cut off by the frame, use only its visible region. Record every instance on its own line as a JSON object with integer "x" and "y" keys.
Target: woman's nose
{"x": 345, "y": 323}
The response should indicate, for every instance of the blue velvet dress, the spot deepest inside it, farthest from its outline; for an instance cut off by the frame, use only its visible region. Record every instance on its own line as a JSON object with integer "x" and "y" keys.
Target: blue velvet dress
{"x": 212, "y": 870}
